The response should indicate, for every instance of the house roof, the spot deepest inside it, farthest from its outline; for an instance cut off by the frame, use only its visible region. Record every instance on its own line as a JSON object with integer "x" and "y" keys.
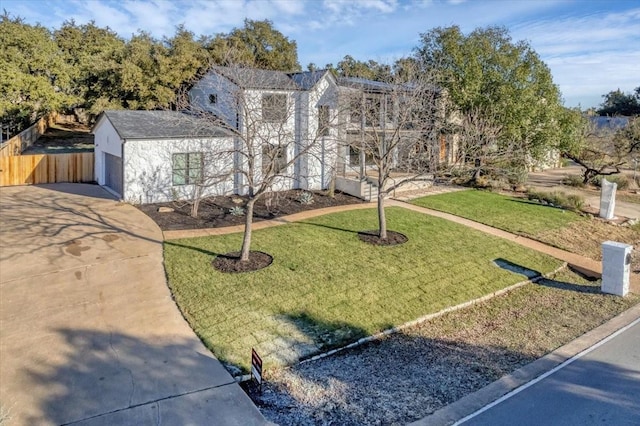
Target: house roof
{"x": 610, "y": 123}
{"x": 160, "y": 125}
{"x": 252, "y": 78}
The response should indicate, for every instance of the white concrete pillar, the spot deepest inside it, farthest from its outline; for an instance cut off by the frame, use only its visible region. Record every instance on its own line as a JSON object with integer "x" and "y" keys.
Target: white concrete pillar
{"x": 607, "y": 199}
{"x": 616, "y": 265}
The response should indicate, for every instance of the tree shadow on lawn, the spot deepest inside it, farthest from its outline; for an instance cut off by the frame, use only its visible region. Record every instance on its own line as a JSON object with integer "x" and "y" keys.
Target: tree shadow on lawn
{"x": 194, "y": 248}
{"x": 336, "y": 228}
{"x": 540, "y": 280}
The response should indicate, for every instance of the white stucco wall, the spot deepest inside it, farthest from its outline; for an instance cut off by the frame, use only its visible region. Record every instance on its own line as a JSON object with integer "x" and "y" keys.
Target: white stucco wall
{"x": 148, "y": 175}
{"x": 227, "y": 93}
{"x": 322, "y": 150}
{"x": 108, "y": 141}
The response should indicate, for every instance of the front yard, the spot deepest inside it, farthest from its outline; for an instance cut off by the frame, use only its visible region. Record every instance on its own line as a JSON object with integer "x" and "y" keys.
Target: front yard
{"x": 564, "y": 229}
{"x": 326, "y": 288}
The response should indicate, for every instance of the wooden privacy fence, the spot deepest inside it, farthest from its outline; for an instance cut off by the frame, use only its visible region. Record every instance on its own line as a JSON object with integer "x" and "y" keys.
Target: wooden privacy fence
{"x": 46, "y": 168}
{"x": 27, "y": 137}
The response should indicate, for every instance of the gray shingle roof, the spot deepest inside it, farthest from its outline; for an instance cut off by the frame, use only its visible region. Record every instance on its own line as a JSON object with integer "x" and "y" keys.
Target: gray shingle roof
{"x": 306, "y": 80}
{"x": 610, "y": 123}
{"x": 252, "y": 78}
{"x": 161, "y": 125}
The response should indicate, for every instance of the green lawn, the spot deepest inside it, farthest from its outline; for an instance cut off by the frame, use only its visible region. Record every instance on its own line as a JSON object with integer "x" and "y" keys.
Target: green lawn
{"x": 326, "y": 288}
{"x": 516, "y": 215}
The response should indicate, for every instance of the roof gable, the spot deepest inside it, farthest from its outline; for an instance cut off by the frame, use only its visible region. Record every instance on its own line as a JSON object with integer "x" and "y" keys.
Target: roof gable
{"x": 253, "y": 78}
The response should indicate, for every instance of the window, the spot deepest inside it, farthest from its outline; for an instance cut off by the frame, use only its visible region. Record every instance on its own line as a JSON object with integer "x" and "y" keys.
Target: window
{"x": 389, "y": 113}
{"x": 213, "y": 98}
{"x": 323, "y": 120}
{"x": 187, "y": 168}
{"x": 356, "y": 112}
{"x": 372, "y": 111}
{"x": 274, "y": 159}
{"x": 274, "y": 108}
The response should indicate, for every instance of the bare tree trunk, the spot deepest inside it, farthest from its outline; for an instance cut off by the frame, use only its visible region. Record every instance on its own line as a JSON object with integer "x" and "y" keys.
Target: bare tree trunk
{"x": 382, "y": 219}
{"x": 248, "y": 221}
{"x": 196, "y": 202}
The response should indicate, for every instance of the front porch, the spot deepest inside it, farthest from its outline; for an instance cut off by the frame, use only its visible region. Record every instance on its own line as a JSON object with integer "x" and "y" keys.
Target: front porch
{"x": 366, "y": 186}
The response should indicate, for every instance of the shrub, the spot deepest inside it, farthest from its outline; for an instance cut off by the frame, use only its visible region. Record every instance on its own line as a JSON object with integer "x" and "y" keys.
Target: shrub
{"x": 621, "y": 180}
{"x": 557, "y": 199}
{"x": 305, "y": 198}
{"x": 573, "y": 180}
{"x": 236, "y": 211}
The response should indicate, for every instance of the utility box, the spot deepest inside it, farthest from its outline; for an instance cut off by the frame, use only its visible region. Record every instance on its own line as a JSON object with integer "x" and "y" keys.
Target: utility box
{"x": 616, "y": 266}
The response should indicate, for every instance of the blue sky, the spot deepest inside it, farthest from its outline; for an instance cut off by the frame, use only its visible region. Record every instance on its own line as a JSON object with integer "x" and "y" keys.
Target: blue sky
{"x": 591, "y": 46}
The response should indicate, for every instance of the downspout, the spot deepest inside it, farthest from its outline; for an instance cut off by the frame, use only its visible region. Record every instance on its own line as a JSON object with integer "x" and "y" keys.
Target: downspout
{"x": 124, "y": 141}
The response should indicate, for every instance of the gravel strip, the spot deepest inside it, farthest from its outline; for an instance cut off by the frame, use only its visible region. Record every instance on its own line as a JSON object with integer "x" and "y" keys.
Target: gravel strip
{"x": 409, "y": 375}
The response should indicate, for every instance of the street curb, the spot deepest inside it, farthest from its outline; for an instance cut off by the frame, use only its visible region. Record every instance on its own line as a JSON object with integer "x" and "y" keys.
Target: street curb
{"x": 479, "y": 399}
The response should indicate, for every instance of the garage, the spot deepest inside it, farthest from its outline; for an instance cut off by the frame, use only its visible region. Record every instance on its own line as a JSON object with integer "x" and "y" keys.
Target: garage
{"x": 113, "y": 173}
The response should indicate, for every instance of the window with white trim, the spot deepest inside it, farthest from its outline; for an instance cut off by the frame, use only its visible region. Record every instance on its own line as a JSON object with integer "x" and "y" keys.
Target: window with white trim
{"x": 187, "y": 168}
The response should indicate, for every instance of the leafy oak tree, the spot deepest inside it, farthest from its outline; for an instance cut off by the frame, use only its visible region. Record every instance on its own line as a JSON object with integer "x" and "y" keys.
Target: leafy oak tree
{"x": 617, "y": 102}
{"x": 487, "y": 72}
{"x": 34, "y": 78}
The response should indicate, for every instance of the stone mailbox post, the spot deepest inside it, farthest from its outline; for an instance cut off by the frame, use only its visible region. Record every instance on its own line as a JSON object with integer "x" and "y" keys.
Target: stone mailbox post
{"x": 616, "y": 265}
{"x": 607, "y": 199}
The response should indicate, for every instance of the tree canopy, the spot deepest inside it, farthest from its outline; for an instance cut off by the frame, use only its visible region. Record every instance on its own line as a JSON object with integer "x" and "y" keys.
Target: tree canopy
{"x": 617, "y": 102}
{"x": 86, "y": 66}
{"x": 486, "y": 71}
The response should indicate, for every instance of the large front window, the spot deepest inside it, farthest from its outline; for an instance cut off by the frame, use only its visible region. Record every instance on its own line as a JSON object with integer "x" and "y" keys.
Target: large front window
{"x": 187, "y": 168}
{"x": 274, "y": 108}
{"x": 274, "y": 159}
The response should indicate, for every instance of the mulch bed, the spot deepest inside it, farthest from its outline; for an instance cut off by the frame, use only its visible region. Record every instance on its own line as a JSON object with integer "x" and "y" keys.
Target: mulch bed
{"x": 393, "y": 238}
{"x": 231, "y": 262}
{"x": 214, "y": 212}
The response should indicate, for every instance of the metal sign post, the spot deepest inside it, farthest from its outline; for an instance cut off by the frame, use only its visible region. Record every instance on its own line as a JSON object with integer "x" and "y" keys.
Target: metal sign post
{"x": 256, "y": 368}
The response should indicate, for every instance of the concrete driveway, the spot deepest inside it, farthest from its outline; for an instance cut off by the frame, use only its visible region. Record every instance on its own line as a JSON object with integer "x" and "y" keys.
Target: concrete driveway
{"x": 89, "y": 333}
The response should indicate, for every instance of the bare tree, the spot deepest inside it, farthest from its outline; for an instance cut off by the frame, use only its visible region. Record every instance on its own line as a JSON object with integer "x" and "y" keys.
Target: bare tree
{"x": 283, "y": 135}
{"x": 601, "y": 150}
{"x": 395, "y": 133}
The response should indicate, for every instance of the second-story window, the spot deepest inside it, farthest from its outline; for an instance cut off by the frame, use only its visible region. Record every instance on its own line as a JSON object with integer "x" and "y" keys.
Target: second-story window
{"x": 274, "y": 107}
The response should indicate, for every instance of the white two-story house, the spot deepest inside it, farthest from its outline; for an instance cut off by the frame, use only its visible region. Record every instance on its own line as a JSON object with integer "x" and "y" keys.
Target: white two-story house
{"x": 302, "y": 126}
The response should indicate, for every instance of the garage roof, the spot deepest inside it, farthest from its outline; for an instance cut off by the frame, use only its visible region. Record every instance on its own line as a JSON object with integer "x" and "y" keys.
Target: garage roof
{"x": 161, "y": 125}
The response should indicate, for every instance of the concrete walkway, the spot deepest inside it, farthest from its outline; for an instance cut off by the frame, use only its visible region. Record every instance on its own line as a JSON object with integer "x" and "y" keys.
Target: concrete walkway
{"x": 89, "y": 333}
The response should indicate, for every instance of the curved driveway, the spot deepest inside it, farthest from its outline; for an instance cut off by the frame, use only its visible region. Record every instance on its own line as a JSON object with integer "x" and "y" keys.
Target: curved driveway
{"x": 89, "y": 333}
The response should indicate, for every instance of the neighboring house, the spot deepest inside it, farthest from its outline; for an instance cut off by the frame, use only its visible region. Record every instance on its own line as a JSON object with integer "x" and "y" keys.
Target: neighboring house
{"x": 157, "y": 156}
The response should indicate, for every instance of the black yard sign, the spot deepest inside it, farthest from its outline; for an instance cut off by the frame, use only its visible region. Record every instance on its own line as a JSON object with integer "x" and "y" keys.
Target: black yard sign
{"x": 256, "y": 367}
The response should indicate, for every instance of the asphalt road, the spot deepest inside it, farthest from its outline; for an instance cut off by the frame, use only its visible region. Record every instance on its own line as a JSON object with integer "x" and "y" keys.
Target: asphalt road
{"x": 601, "y": 387}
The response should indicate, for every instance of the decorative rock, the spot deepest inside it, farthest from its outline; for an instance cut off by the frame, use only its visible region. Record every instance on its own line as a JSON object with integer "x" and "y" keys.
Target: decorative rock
{"x": 165, "y": 210}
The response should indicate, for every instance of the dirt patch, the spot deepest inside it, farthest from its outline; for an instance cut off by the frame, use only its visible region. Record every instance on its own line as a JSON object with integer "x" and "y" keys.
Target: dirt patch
{"x": 63, "y": 138}
{"x": 215, "y": 212}
{"x": 586, "y": 238}
{"x": 393, "y": 238}
{"x": 231, "y": 262}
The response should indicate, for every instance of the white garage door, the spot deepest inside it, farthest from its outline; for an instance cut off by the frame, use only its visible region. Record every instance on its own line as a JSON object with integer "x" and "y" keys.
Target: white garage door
{"x": 113, "y": 173}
